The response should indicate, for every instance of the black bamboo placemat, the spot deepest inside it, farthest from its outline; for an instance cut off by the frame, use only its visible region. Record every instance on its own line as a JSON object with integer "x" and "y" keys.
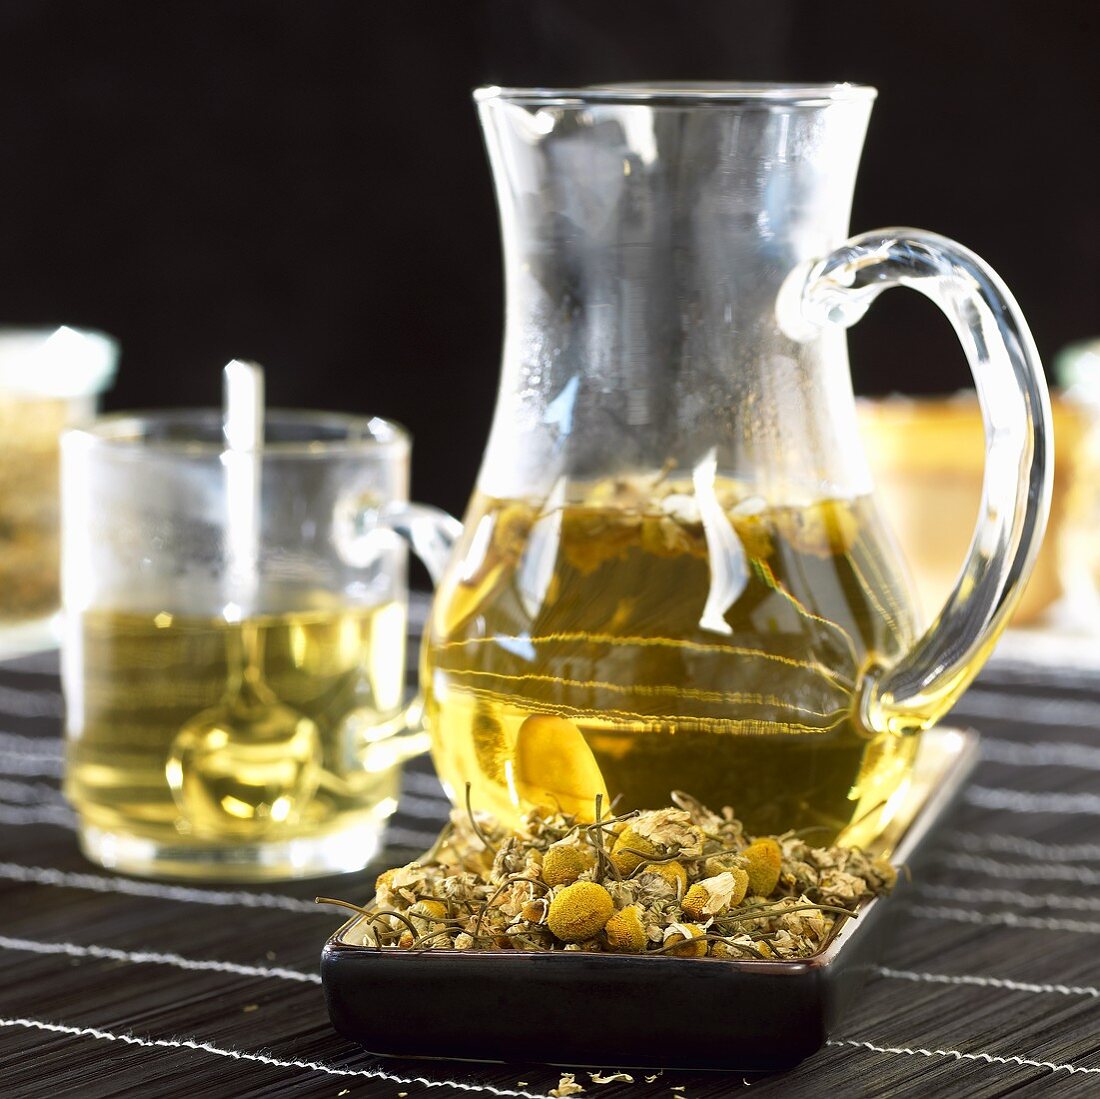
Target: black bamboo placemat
{"x": 113, "y": 986}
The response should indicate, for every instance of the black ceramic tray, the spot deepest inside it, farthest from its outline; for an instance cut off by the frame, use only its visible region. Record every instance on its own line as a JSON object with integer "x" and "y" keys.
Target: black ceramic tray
{"x": 596, "y": 1010}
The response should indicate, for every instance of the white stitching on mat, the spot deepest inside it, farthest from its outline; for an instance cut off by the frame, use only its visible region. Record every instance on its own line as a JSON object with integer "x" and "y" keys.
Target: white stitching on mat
{"x": 30, "y": 793}
{"x": 1028, "y": 849}
{"x": 994, "y": 868}
{"x": 1024, "y": 801}
{"x": 44, "y": 875}
{"x": 28, "y": 755}
{"x": 985, "y": 982}
{"x": 988, "y": 1058}
{"x": 60, "y": 815}
{"x": 34, "y": 745}
{"x": 1010, "y": 896}
{"x": 28, "y": 763}
{"x": 259, "y": 1058}
{"x": 148, "y": 957}
{"x": 1066, "y": 712}
{"x": 419, "y": 782}
{"x": 424, "y": 808}
{"x": 40, "y": 663}
{"x": 1059, "y": 754}
{"x": 408, "y": 837}
{"x": 1005, "y": 919}
{"x": 64, "y": 817}
{"x": 20, "y": 702}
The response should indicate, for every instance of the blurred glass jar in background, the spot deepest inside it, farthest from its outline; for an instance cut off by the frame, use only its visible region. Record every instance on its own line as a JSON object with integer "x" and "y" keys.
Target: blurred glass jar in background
{"x": 49, "y": 380}
{"x": 1077, "y": 371}
{"x": 927, "y": 458}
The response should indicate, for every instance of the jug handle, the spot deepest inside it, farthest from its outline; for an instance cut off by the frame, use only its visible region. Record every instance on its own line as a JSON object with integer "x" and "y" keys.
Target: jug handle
{"x": 924, "y": 684}
{"x": 431, "y": 534}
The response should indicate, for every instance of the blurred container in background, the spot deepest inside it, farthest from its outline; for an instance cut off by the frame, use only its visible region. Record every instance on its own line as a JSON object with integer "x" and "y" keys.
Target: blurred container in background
{"x": 49, "y": 380}
{"x": 927, "y": 457}
{"x": 1077, "y": 370}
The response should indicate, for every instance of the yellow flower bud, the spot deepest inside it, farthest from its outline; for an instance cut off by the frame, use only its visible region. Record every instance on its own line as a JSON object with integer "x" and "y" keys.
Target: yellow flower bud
{"x": 694, "y": 945}
{"x": 765, "y": 858}
{"x": 563, "y": 864}
{"x": 673, "y": 872}
{"x": 623, "y": 856}
{"x": 716, "y": 894}
{"x": 429, "y": 909}
{"x": 625, "y": 933}
{"x": 579, "y": 911}
{"x": 383, "y": 880}
{"x": 534, "y": 911}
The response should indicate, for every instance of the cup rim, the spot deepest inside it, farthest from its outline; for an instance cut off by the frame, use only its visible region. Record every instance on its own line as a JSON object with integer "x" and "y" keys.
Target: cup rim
{"x": 128, "y": 433}
{"x": 683, "y": 94}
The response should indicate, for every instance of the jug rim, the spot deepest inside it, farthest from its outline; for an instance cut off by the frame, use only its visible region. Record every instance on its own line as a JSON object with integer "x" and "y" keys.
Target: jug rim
{"x": 683, "y": 94}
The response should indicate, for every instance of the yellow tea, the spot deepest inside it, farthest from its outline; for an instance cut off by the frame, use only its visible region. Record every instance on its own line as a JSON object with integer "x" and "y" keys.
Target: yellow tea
{"x": 637, "y": 642}
{"x": 202, "y": 732}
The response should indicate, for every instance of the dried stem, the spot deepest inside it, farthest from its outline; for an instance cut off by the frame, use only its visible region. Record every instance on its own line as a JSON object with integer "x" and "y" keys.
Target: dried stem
{"x": 373, "y": 915}
{"x": 497, "y": 892}
{"x": 477, "y": 827}
{"x": 433, "y": 852}
{"x": 603, "y": 859}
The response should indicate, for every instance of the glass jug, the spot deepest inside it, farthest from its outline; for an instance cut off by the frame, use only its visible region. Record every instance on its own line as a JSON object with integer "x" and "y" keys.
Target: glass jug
{"x": 673, "y": 574}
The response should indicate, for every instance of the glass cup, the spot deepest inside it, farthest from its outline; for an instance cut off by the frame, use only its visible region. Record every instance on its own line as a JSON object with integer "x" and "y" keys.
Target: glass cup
{"x": 49, "y": 379}
{"x": 234, "y": 714}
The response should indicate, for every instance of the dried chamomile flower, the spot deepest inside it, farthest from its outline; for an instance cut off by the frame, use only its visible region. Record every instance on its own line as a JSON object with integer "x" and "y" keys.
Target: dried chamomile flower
{"x": 693, "y": 886}
{"x": 655, "y": 890}
{"x": 690, "y": 935}
{"x": 567, "y": 1085}
{"x": 535, "y": 911}
{"x": 713, "y": 865}
{"x": 429, "y": 909}
{"x": 656, "y": 835}
{"x": 579, "y": 911}
{"x": 672, "y": 872}
{"x": 713, "y": 895}
{"x": 809, "y": 923}
{"x": 663, "y": 536}
{"x": 885, "y": 873}
{"x": 699, "y": 814}
{"x": 755, "y": 533}
{"x": 671, "y": 829}
{"x": 765, "y": 860}
{"x": 824, "y": 529}
{"x": 564, "y": 863}
{"x": 738, "y": 946}
{"x": 631, "y": 850}
{"x": 513, "y": 524}
{"x": 838, "y": 887}
{"x": 511, "y": 858}
{"x": 624, "y": 931}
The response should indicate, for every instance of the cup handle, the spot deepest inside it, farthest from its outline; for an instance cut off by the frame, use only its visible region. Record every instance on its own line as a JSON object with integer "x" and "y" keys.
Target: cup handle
{"x": 431, "y": 534}
{"x": 924, "y": 684}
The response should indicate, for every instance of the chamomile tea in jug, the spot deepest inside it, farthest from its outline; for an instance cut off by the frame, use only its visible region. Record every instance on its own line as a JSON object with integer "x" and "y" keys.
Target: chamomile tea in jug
{"x": 673, "y": 574}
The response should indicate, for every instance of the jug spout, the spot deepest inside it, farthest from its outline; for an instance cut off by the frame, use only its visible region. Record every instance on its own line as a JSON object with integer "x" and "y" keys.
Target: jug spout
{"x": 647, "y": 231}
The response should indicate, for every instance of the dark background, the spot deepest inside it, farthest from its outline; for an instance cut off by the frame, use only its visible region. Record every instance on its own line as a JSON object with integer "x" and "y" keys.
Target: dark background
{"x": 303, "y": 182}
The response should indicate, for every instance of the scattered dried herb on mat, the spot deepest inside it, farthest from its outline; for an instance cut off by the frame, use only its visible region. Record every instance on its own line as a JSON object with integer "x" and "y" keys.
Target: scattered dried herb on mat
{"x": 682, "y": 880}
